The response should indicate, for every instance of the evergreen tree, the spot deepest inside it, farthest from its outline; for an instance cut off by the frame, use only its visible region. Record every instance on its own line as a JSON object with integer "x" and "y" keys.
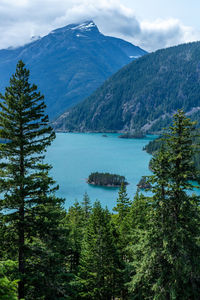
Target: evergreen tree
{"x": 136, "y": 224}
{"x": 123, "y": 202}
{"x": 128, "y": 230}
{"x": 86, "y": 204}
{"x": 138, "y": 215}
{"x": 98, "y": 276}
{"x": 8, "y": 286}
{"x": 28, "y": 191}
{"x": 167, "y": 256}
{"x": 48, "y": 274}
{"x": 75, "y": 221}
{"x": 121, "y": 234}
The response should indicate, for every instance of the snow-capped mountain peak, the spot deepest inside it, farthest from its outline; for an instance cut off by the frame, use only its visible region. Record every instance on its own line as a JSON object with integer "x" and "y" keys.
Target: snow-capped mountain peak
{"x": 86, "y": 26}
{"x": 81, "y": 27}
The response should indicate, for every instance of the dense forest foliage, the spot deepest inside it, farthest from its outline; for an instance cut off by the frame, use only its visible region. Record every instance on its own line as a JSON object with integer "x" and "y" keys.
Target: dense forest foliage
{"x": 155, "y": 145}
{"x": 147, "y": 248}
{"x": 143, "y": 95}
{"x": 143, "y": 184}
{"x": 129, "y": 135}
{"x": 106, "y": 179}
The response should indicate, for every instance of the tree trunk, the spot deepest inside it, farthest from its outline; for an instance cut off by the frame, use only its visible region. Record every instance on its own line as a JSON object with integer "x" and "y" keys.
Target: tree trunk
{"x": 21, "y": 293}
{"x": 21, "y": 258}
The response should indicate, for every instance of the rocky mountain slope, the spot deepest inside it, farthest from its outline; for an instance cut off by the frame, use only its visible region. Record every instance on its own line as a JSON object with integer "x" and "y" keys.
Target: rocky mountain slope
{"x": 69, "y": 63}
{"x": 143, "y": 95}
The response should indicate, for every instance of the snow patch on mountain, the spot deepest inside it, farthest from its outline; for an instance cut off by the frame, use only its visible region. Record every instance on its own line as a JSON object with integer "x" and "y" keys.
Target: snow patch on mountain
{"x": 135, "y": 56}
{"x": 84, "y": 26}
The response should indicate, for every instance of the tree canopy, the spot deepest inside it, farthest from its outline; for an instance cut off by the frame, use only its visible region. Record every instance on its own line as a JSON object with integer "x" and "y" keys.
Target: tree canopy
{"x": 27, "y": 191}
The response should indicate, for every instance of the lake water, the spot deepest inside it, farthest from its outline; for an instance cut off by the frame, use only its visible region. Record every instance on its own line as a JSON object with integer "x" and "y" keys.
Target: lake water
{"x": 75, "y": 155}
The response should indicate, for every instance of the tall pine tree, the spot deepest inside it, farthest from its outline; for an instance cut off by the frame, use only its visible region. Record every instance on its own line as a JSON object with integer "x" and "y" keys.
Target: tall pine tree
{"x": 122, "y": 237}
{"x": 75, "y": 221}
{"x": 167, "y": 257}
{"x": 123, "y": 202}
{"x": 98, "y": 276}
{"x": 28, "y": 200}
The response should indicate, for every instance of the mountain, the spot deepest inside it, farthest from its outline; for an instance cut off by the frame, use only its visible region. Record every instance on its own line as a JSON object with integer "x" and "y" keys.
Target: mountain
{"x": 69, "y": 63}
{"x": 143, "y": 95}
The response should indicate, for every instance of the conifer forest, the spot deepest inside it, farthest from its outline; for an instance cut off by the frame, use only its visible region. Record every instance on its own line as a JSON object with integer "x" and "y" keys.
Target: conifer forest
{"x": 147, "y": 248}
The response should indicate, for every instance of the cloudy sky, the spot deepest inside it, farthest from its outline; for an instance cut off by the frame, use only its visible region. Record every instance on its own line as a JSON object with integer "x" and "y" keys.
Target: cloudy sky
{"x": 151, "y": 24}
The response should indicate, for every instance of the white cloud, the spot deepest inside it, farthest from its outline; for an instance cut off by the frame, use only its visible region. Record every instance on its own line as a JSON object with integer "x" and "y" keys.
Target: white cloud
{"x": 165, "y": 33}
{"x": 21, "y": 19}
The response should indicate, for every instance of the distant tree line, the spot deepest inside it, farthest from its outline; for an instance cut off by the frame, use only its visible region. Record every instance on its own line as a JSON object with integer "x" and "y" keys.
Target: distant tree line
{"x": 130, "y": 135}
{"x": 153, "y": 146}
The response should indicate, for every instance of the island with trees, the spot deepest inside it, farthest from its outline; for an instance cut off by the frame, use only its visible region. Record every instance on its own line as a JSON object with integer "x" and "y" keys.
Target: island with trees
{"x": 106, "y": 179}
{"x": 144, "y": 184}
{"x": 135, "y": 135}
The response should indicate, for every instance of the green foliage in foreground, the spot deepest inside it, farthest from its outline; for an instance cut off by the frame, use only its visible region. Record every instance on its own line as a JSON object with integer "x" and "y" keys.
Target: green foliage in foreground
{"x": 8, "y": 286}
{"x": 32, "y": 229}
{"x": 149, "y": 249}
{"x": 153, "y": 146}
{"x": 98, "y": 276}
{"x": 123, "y": 202}
{"x": 167, "y": 257}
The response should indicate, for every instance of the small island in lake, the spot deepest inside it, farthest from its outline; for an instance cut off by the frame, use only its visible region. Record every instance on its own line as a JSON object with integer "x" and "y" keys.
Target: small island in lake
{"x": 106, "y": 179}
{"x": 135, "y": 135}
{"x": 144, "y": 184}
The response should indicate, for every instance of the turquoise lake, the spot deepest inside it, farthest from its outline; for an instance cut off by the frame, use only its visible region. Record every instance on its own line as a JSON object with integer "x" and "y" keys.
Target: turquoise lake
{"x": 74, "y": 156}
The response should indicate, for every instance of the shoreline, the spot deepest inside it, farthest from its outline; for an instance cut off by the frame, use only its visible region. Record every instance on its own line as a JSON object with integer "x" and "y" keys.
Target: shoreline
{"x": 108, "y": 185}
{"x": 107, "y": 132}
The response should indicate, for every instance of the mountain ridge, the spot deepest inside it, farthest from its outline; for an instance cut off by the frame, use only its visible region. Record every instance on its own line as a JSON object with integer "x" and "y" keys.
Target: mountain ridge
{"x": 142, "y": 95}
{"x": 69, "y": 63}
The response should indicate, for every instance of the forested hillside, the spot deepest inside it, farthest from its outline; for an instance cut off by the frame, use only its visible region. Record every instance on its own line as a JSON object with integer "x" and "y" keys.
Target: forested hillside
{"x": 143, "y": 95}
{"x": 154, "y": 146}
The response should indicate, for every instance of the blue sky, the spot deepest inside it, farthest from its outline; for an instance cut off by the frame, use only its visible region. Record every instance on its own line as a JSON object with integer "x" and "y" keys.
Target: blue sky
{"x": 185, "y": 10}
{"x": 150, "y": 24}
